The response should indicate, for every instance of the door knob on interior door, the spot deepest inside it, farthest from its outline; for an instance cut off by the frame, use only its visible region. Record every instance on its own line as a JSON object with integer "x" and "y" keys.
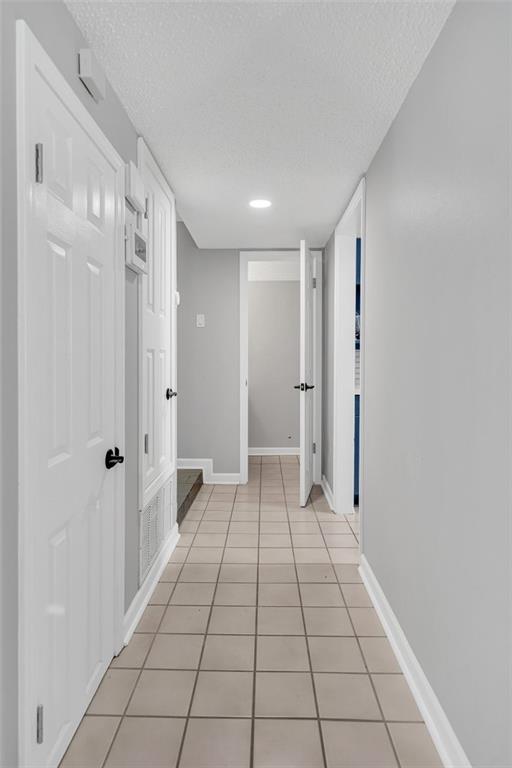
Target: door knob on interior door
{"x": 170, "y": 393}
{"x": 309, "y": 386}
{"x": 112, "y": 458}
{"x": 299, "y": 386}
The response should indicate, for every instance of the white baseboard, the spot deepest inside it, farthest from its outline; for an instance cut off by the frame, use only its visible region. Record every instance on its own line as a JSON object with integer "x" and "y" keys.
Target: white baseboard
{"x": 446, "y": 742}
{"x": 209, "y": 476}
{"x": 141, "y": 599}
{"x": 326, "y": 488}
{"x": 274, "y": 451}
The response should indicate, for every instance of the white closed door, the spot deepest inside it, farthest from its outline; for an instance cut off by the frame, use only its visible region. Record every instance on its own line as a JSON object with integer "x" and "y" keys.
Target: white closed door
{"x": 70, "y": 400}
{"x": 158, "y": 330}
{"x": 306, "y": 373}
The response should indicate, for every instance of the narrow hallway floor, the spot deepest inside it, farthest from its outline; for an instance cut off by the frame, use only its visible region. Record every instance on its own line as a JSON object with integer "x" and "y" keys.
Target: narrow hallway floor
{"x": 260, "y": 648}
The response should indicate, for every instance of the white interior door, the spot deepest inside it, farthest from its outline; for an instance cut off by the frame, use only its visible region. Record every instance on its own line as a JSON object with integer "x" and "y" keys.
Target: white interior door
{"x": 306, "y": 372}
{"x": 71, "y": 398}
{"x": 159, "y": 395}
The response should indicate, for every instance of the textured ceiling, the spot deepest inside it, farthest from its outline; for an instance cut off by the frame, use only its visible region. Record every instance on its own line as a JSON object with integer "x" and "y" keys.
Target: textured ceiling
{"x": 283, "y": 100}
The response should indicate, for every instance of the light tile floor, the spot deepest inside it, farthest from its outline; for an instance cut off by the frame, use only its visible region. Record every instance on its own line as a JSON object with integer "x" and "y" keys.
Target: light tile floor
{"x": 260, "y": 648}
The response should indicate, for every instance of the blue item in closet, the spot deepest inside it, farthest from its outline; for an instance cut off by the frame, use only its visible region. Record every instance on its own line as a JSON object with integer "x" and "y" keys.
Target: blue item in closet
{"x": 356, "y": 450}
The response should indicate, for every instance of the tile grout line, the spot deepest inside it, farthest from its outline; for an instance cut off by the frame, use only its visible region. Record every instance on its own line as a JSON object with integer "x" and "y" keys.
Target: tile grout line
{"x": 282, "y": 671}
{"x": 253, "y": 713}
{"x": 361, "y": 650}
{"x": 142, "y": 667}
{"x": 276, "y": 717}
{"x": 205, "y": 635}
{"x": 306, "y": 640}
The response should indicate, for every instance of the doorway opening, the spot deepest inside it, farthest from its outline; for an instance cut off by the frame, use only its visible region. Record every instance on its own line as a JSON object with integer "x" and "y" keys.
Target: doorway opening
{"x": 277, "y": 303}
{"x": 357, "y": 371}
{"x": 349, "y": 357}
{"x": 273, "y": 294}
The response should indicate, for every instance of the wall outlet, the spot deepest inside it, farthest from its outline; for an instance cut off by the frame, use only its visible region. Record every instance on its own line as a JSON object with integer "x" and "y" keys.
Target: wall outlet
{"x": 200, "y": 321}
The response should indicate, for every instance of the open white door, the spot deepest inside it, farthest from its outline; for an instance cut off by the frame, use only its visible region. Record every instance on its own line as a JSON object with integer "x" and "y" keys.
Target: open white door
{"x": 158, "y": 401}
{"x": 71, "y": 282}
{"x": 306, "y": 373}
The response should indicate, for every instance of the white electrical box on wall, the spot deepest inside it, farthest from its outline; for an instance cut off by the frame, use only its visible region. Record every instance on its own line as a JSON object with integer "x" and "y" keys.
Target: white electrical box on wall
{"x": 134, "y": 188}
{"x": 91, "y": 74}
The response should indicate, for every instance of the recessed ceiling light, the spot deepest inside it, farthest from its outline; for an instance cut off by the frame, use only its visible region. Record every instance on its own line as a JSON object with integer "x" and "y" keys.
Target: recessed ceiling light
{"x": 260, "y": 203}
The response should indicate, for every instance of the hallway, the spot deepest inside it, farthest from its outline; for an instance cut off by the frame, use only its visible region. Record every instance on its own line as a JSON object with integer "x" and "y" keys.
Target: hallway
{"x": 306, "y": 680}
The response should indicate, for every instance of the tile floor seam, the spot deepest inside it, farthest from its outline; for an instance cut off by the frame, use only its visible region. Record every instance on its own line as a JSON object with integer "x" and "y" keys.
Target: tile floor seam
{"x": 205, "y": 635}
{"x": 140, "y": 671}
{"x": 253, "y": 712}
{"x": 314, "y": 718}
{"x": 362, "y": 654}
{"x": 123, "y": 716}
{"x": 319, "y": 724}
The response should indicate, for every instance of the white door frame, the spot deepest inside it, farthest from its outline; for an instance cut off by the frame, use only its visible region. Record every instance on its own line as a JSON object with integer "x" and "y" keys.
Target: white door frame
{"x": 245, "y": 258}
{"x": 351, "y": 226}
{"x": 146, "y": 159}
{"x": 29, "y": 54}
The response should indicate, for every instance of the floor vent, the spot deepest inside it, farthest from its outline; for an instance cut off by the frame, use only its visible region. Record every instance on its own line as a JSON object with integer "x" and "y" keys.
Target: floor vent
{"x": 152, "y": 530}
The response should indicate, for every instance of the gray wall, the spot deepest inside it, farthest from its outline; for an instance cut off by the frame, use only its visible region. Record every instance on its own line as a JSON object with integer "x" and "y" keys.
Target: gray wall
{"x": 57, "y": 32}
{"x": 208, "y": 358}
{"x": 328, "y": 361}
{"x": 274, "y": 324}
{"x": 436, "y": 525}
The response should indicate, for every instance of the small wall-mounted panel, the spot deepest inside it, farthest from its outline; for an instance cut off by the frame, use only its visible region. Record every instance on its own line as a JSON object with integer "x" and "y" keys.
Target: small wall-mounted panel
{"x": 91, "y": 74}
{"x": 134, "y": 188}
{"x": 136, "y": 249}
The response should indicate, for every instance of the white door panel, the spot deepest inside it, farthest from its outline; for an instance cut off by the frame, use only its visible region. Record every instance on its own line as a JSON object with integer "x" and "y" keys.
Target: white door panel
{"x": 69, "y": 336}
{"x": 158, "y": 332}
{"x": 306, "y": 373}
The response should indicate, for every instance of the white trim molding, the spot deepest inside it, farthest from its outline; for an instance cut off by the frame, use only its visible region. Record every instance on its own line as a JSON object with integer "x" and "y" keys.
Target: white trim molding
{"x": 350, "y": 227}
{"x": 209, "y": 476}
{"x": 317, "y": 392}
{"x": 244, "y": 368}
{"x": 274, "y": 451}
{"x": 444, "y": 737}
{"x": 141, "y": 599}
{"x": 326, "y": 488}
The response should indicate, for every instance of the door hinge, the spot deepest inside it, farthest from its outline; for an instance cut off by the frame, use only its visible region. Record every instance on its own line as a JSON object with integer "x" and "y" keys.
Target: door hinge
{"x": 314, "y": 282}
{"x": 146, "y": 443}
{"x": 314, "y": 447}
{"x": 39, "y": 163}
{"x": 146, "y": 210}
{"x": 39, "y": 724}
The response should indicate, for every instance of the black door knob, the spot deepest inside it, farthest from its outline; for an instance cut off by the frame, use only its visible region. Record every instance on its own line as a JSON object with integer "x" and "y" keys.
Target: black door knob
{"x": 112, "y": 458}
{"x": 170, "y": 393}
{"x": 309, "y": 386}
{"x": 299, "y": 386}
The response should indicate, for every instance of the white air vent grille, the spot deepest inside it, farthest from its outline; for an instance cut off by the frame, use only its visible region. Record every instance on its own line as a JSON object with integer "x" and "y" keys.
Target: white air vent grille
{"x": 152, "y": 529}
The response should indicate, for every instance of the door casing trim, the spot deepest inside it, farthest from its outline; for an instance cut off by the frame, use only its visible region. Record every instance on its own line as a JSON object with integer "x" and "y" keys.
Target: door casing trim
{"x": 145, "y": 160}
{"x": 351, "y": 225}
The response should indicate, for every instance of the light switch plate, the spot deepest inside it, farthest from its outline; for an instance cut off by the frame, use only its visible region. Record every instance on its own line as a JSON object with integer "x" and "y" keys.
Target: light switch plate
{"x": 200, "y": 321}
